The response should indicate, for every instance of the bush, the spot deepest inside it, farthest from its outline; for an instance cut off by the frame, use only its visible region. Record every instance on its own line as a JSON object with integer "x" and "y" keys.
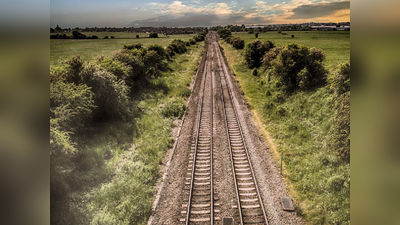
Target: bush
{"x": 174, "y": 108}
{"x": 78, "y": 35}
{"x": 296, "y": 67}
{"x": 177, "y": 46}
{"x": 340, "y": 131}
{"x": 118, "y": 68}
{"x": 153, "y": 35}
{"x": 110, "y": 93}
{"x": 159, "y": 49}
{"x": 237, "y": 42}
{"x": 255, "y": 51}
{"x": 134, "y": 46}
{"x": 185, "y": 93}
{"x": 70, "y": 105}
{"x": 106, "y": 37}
{"x": 255, "y": 72}
{"x": 271, "y": 55}
{"x": 224, "y": 33}
{"x": 132, "y": 58}
{"x": 153, "y": 63}
{"x": 137, "y": 36}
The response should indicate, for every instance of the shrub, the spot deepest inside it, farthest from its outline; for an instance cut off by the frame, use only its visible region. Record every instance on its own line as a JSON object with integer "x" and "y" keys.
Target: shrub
{"x": 174, "y": 108}
{"x": 110, "y": 93}
{"x": 192, "y": 41}
{"x": 95, "y": 37}
{"x": 255, "y": 51}
{"x": 112, "y": 37}
{"x": 237, "y": 42}
{"x": 255, "y": 72}
{"x": 70, "y": 104}
{"x": 224, "y": 33}
{"x": 292, "y": 36}
{"x": 185, "y": 93}
{"x": 134, "y": 46}
{"x": 177, "y": 46}
{"x": 74, "y": 65}
{"x": 295, "y": 66}
{"x": 256, "y": 34}
{"x": 153, "y": 35}
{"x": 137, "y": 36}
{"x": 153, "y": 63}
{"x": 317, "y": 54}
{"x": 118, "y": 68}
{"x": 340, "y": 131}
{"x": 159, "y": 49}
{"x": 133, "y": 59}
{"x": 106, "y": 37}
{"x": 78, "y": 35}
{"x": 271, "y": 55}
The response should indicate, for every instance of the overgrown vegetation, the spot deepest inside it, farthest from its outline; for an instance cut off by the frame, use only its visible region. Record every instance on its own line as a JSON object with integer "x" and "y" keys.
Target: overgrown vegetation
{"x": 110, "y": 124}
{"x": 306, "y": 108}
{"x": 295, "y": 66}
{"x": 236, "y": 42}
{"x": 255, "y": 51}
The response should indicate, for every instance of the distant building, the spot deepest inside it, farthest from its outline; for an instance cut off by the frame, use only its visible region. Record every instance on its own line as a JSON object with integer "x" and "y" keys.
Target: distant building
{"x": 323, "y": 27}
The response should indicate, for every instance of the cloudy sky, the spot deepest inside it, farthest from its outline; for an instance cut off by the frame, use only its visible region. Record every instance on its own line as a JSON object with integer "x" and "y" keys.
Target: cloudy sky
{"x": 183, "y": 13}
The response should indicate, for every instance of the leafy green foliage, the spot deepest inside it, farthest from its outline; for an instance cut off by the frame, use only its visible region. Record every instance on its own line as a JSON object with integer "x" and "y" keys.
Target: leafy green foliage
{"x": 224, "y": 33}
{"x": 174, "y": 108}
{"x": 297, "y": 67}
{"x": 134, "y": 46}
{"x": 119, "y": 69}
{"x": 255, "y": 51}
{"x": 340, "y": 132}
{"x": 70, "y": 104}
{"x": 98, "y": 176}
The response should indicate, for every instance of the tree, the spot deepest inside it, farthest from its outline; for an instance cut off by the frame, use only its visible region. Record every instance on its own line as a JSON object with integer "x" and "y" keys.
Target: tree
{"x": 255, "y": 51}
{"x": 256, "y": 35}
{"x": 153, "y": 35}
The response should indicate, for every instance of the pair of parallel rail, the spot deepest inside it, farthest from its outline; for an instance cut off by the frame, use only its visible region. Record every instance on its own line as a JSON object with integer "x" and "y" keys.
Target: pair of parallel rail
{"x": 201, "y": 204}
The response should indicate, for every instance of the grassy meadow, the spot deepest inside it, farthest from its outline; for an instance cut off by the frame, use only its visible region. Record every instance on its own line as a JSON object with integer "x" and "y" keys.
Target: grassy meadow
{"x": 91, "y": 48}
{"x": 117, "y": 162}
{"x": 299, "y": 127}
{"x": 335, "y": 44}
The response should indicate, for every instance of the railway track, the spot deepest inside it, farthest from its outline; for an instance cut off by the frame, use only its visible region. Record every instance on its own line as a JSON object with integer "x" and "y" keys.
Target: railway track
{"x": 201, "y": 207}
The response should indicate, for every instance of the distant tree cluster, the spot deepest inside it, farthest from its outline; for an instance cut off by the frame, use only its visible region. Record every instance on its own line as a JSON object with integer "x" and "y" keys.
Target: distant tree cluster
{"x": 75, "y": 35}
{"x": 236, "y": 42}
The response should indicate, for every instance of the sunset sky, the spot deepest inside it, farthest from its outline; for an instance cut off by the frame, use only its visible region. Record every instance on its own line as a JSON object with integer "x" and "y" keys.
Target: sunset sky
{"x": 183, "y": 13}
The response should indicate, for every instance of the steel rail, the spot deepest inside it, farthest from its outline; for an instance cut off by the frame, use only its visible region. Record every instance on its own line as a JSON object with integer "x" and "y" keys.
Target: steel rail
{"x": 244, "y": 143}
{"x": 197, "y": 142}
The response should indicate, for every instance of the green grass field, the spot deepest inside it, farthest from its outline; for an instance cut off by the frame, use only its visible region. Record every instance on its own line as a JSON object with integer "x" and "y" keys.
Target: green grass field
{"x": 299, "y": 128}
{"x": 335, "y": 44}
{"x": 118, "y": 162}
{"x": 90, "y": 49}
